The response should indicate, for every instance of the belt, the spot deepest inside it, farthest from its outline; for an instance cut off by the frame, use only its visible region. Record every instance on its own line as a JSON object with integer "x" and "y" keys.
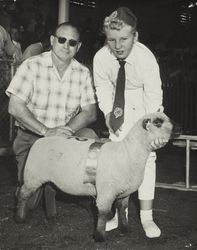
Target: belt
{"x": 92, "y": 161}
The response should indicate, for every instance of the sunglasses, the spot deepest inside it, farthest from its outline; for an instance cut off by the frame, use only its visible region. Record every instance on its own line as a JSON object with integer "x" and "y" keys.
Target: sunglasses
{"x": 62, "y": 40}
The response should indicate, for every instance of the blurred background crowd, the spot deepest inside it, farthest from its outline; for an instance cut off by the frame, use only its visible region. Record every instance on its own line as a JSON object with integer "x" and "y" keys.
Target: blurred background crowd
{"x": 167, "y": 27}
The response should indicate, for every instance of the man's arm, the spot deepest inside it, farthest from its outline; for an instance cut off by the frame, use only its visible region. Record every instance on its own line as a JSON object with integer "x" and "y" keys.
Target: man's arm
{"x": 9, "y": 46}
{"x": 87, "y": 115}
{"x": 19, "y": 110}
{"x": 153, "y": 94}
{"x": 104, "y": 88}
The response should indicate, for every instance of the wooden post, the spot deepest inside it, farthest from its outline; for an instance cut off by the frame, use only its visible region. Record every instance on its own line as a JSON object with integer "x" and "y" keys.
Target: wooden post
{"x": 63, "y": 15}
{"x": 187, "y": 170}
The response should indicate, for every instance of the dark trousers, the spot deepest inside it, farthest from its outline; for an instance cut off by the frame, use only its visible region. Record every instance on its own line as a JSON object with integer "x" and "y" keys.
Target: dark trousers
{"x": 22, "y": 144}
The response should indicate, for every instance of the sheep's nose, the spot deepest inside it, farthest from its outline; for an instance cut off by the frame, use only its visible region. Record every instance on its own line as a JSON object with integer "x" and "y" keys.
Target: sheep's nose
{"x": 176, "y": 131}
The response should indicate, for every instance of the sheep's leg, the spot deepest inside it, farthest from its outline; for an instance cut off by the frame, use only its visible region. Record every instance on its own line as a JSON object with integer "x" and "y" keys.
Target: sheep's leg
{"x": 50, "y": 202}
{"x": 121, "y": 205}
{"x": 104, "y": 205}
{"x": 22, "y": 199}
{"x": 99, "y": 234}
{"x": 35, "y": 199}
{"x": 112, "y": 212}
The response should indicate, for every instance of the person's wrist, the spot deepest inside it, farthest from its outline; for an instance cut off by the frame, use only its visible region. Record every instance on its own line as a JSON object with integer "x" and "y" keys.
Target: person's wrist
{"x": 43, "y": 131}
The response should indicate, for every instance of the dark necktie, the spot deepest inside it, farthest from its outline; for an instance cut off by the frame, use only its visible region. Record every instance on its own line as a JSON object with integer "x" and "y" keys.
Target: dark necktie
{"x": 117, "y": 114}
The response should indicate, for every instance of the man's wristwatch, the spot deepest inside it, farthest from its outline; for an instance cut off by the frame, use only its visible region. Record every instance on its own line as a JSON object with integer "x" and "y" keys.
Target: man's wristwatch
{"x": 70, "y": 130}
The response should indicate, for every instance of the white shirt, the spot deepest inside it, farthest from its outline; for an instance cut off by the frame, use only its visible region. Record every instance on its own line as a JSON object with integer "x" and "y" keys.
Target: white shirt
{"x": 18, "y": 52}
{"x": 143, "y": 92}
{"x": 32, "y": 50}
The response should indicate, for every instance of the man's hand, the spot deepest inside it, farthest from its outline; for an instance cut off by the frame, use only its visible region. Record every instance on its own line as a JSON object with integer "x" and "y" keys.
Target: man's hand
{"x": 59, "y": 131}
{"x": 107, "y": 122}
{"x": 158, "y": 143}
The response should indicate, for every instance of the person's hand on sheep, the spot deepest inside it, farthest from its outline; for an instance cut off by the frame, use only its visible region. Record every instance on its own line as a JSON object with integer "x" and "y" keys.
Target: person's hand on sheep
{"x": 59, "y": 131}
{"x": 107, "y": 122}
{"x": 158, "y": 143}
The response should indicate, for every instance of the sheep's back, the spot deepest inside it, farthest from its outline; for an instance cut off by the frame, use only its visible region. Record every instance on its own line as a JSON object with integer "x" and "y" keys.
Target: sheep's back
{"x": 60, "y": 160}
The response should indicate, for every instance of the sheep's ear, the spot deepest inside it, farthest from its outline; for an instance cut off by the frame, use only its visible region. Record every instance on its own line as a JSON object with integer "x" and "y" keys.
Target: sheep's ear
{"x": 146, "y": 124}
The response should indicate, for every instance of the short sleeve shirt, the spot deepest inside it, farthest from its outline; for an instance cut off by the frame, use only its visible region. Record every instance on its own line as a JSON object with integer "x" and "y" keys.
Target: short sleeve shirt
{"x": 51, "y": 99}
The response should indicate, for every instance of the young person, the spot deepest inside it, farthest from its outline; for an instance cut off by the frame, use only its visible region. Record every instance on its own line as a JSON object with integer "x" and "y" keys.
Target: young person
{"x": 142, "y": 94}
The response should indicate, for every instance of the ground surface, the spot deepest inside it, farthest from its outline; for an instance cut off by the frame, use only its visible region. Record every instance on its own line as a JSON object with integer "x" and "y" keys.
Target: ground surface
{"x": 174, "y": 211}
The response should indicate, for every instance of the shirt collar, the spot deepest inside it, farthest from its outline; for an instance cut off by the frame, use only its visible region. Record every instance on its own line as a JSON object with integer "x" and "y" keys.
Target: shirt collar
{"x": 48, "y": 59}
{"x": 130, "y": 57}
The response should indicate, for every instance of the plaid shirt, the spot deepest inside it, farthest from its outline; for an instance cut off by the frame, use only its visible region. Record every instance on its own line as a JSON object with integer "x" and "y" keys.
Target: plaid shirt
{"x": 51, "y": 99}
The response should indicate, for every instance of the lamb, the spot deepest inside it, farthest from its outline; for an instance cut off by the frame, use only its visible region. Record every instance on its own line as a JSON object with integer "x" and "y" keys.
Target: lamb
{"x": 119, "y": 172}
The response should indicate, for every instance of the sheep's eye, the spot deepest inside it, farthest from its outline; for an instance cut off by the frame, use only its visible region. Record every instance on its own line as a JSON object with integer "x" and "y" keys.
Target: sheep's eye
{"x": 158, "y": 122}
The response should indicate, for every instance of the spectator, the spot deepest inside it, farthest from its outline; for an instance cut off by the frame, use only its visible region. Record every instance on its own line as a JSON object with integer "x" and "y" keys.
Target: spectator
{"x": 15, "y": 35}
{"x": 7, "y": 47}
{"x": 36, "y": 48}
{"x": 30, "y": 35}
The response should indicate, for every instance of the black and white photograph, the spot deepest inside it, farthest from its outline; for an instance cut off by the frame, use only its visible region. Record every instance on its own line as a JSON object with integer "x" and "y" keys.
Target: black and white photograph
{"x": 98, "y": 124}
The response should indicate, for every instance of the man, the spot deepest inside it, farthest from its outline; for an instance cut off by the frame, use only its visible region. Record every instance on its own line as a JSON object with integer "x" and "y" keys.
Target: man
{"x": 51, "y": 94}
{"x": 142, "y": 94}
{"x": 6, "y": 45}
{"x": 15, "y": 35}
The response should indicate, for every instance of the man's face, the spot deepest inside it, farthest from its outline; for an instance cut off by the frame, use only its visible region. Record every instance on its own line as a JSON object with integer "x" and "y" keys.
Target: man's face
{"x": 121, "y": 41}
{"x": 65, "y": 43}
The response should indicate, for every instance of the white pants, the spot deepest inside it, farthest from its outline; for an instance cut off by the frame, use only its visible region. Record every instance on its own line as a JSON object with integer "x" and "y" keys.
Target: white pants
{"x": 147, "y": 189}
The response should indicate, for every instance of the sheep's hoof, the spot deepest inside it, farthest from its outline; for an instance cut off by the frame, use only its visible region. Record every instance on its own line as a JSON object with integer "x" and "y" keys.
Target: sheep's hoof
{"x": 99, "y": 237}
{"x": 51, "y": 214}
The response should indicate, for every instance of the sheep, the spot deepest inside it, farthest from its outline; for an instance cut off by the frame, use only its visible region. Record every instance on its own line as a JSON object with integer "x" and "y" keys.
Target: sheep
{"x": 119, "y": 172}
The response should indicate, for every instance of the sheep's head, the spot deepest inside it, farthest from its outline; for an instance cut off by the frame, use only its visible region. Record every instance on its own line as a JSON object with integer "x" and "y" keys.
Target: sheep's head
{"x": 159, "y": 125}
